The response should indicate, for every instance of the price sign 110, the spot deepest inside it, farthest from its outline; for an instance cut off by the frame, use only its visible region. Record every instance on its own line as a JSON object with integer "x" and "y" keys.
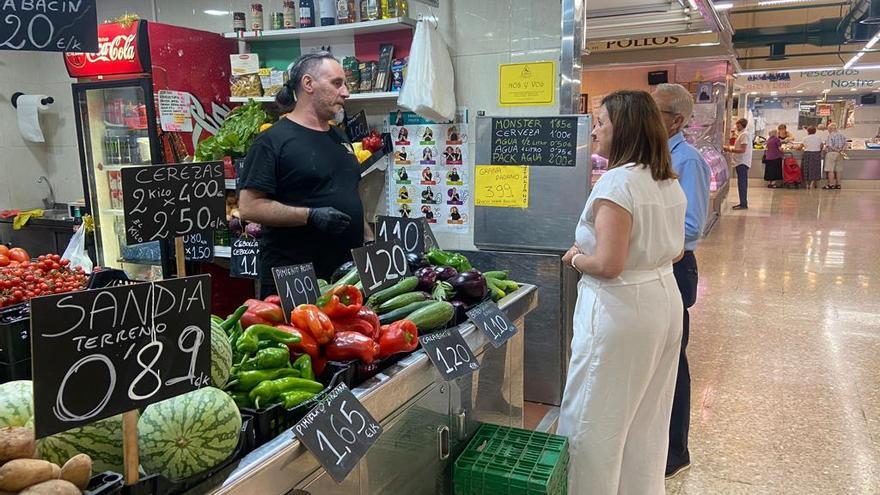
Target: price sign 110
{"x": 409, "y": 231}
{"x": 493, "y": 322}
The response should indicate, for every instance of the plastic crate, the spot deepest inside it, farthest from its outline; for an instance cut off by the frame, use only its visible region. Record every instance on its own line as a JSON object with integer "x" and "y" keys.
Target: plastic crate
{"x": 512, "y": 461}
{"x": 106, "y": 483}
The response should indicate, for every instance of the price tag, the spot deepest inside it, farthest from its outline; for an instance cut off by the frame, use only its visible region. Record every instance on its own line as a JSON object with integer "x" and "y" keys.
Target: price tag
{"x": 296, "y": 284}
{"x": 357, "y": 127}
{"x": 98, "y": 353}
{"x": 494, "y": 323}
{"x": 380, "y": 265}
{"x": 338, "y": 431}
{"x": 409, "y": 231}
{"x": 199, "y": 247}
{"x": 172, "y": 200}
{"x": 244, "y": 262}
{"x": 450, "y": 353}
{"x": 59, "y": 27}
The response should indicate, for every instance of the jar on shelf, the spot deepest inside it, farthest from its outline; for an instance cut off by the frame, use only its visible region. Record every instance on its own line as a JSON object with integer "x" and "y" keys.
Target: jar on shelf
{"x": 288, "y": 13}
{"x": 256, "y": 17}
{"x": 239, "y": 22}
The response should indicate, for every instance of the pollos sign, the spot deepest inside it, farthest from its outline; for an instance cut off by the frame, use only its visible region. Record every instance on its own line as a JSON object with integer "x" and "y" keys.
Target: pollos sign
{"x": 121, "y": 50}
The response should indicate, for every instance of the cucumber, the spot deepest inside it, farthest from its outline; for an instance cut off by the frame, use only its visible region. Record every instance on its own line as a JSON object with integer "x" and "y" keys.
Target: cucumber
{"x": 408, "y": 284}
{"x": 433, "y": 316}
{"x": 402, "y": 313}
{"x": 400, "y": 301}
{"x": 507, "y": 286}
{"x": 497, "y": 292}
{"x": 497, "y": 274}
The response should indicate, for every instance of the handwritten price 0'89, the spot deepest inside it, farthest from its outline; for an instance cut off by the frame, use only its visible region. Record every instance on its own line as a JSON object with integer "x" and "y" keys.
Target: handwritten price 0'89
{"x": 345, "y": 433}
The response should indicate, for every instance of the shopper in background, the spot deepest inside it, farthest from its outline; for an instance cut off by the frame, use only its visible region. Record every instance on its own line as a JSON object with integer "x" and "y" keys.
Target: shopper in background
{"x": 300, "y": 177}
{"x": 784, "y": 135}
{"x": 741, "y": 156}
{"x": 773, "y": 160}
{"x": 628, "y": 317}
{"x": 811, "y": 163}
{"x": 835, "y": 146}
{"x": 676, "y": 107}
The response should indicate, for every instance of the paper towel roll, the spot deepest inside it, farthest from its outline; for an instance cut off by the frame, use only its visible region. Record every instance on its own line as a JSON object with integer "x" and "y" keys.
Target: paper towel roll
{"x": 28, "y": 118}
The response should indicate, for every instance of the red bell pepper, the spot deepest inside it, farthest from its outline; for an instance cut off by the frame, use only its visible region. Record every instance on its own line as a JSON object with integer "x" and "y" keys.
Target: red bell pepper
{"x": 306, "y": 345}
{"x": 273, "y": 299}
{"x": 366, "y": 322}
{"x": 262, "y": 312}
{"x": 342, "y": 302}
{"x": 400, "y": 336}
{"x": 308, "y": 317}
{"x": 351, "y": 345}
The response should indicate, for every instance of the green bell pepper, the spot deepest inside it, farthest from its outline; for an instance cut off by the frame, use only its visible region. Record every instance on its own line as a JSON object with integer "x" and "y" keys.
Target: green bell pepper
{"x": 250, "y": 339}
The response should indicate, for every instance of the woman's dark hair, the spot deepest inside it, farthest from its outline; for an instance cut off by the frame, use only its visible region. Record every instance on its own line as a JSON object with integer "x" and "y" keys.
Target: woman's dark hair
{"x": 811, "y": 130}
{"x": 306, "y": 64}
{"x": 639, "y": 135}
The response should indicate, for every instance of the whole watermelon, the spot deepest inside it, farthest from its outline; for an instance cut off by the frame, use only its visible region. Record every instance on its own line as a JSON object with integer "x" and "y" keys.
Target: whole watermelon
{"x": 101, "y": 440}
{"x": 221, "y": 356}
{"x": 188, "y": 434}
{"x": 16, "y": 403}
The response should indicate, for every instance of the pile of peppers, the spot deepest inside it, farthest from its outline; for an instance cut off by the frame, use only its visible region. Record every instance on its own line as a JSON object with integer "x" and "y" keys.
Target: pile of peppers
{"x": 277, "y": 362}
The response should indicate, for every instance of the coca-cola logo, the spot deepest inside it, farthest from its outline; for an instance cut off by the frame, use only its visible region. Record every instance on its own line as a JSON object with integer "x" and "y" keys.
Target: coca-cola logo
{"x": 118, "y": 49}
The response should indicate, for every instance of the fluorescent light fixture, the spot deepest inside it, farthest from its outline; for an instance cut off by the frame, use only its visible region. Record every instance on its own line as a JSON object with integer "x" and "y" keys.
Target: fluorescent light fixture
{"x": 780, "y": 2}
{"x": 753, "y": 93}
{"x": 853, "y": 89}
{"x": 872, "y": 42}
{"x": 799, "y": 91}
{"x": 774, "y": 93}
{"x": 723, "y": 6}
{"x": 216, "y": 12}
{"x": 752, "y": 73}
{"x": 713, "y": 43}
{"x": 855, "y": 58}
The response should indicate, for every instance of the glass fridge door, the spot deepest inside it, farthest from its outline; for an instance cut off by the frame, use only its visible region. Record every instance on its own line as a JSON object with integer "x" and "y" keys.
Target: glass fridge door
{"x": 115, "y": 132}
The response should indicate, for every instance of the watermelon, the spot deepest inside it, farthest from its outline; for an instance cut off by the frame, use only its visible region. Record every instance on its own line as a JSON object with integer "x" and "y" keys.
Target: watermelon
{"x": 188, "y": 434}
{"x": 221, "y": 356}
{"x": 16, "y": 403}
{"x": 101, "y": 440}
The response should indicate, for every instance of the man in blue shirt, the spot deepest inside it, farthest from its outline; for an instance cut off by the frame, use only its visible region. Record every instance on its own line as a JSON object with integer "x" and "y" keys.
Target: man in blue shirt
{"x": 676, "y": 106}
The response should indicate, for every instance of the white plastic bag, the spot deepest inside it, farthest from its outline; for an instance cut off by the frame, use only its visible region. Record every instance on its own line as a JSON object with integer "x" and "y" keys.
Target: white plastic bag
{"x": 76, "y": 251}
{"x": 429, "y": 88}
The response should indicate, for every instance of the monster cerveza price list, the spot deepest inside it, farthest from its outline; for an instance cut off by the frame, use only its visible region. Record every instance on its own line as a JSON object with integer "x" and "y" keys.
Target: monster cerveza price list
{"x": 172, "y": 200}
{"x": 541, "y": 141}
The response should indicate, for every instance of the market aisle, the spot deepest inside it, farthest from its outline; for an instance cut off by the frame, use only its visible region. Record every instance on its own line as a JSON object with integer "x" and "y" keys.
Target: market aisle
{"x": 785, "y": 348}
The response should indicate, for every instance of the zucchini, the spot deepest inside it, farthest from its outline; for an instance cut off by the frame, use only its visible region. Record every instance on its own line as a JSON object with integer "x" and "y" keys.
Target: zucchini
{"x": 400, "y": 301}
{"x": 350, "y": 278}
{"x": 433, "y": 316}
{"x": 497, "y": 274}
{"x": 402, "y": 313}
{"x": 408, "y": 284}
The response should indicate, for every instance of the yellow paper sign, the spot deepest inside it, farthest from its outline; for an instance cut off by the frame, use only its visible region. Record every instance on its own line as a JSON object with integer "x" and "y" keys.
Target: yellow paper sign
{"x": 504, "y": 186}
{"x": 532, "y": 83}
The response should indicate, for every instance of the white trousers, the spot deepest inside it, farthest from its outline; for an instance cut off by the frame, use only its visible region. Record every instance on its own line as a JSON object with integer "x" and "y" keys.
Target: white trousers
{"x": 621, "y": 379}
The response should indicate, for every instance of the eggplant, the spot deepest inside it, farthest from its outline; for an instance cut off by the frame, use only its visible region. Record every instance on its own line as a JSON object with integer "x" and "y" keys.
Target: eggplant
{"x": 427, "y": 278}
{"x": 470, "y": 286}
{"x": 417, "y": 261}
{"x": 445, "y": 273}
{"x": 341, "y": 271}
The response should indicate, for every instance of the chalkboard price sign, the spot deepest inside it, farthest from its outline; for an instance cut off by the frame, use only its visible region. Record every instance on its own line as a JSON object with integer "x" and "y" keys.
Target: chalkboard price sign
{"x": 380, "y": 265}
{"x": 450, "y": 353}
{"x": 98, "y": 353}
{"x": 296, "y": 285}
{"x": 410, "y": 232}
{"x": 244, "y": 262}
{"x": 495, "y": 324}
{"x": 537, "y": 141}
{"x": 54, "y": 26}
{"x": 172, "y": 200}
{"x": 199, "y": 247}
{"x": 338, "y": 431}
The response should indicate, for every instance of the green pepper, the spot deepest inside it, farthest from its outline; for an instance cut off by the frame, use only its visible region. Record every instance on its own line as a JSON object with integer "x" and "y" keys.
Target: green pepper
{"x": 303, "y": 364}
{"x": 244, "y": 381}
{"x": 267, "y": 359}
{"x": 250, "y": 339}
{"x": 268, "y": 344}
{"x": 270, "y": 390}
{"x": 241, "y": 399}
{"x": 229, "y": 323}
{"x": 294, "y": 398}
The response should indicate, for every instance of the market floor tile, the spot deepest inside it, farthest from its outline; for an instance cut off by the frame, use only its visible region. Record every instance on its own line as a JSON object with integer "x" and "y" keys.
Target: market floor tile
{"x": 785, "y": 348}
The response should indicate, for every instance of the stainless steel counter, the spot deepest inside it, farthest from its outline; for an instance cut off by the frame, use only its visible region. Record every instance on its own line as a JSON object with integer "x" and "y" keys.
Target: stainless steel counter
{"x": 427, "y": 422}
{"x": 861, "y": 165}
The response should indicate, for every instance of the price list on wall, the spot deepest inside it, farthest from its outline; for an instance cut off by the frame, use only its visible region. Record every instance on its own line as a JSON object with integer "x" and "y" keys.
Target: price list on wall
{"x": 539, "y": 141}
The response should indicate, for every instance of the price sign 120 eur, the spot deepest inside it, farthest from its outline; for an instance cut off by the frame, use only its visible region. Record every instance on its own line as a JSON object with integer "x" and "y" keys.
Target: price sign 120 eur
{"x": 380, "y": 265}
{"x": 296, "y": 284}
{"x": 495, "y": 324}
{"x": 450, "y": 353}
{"x": 338, "y": 431}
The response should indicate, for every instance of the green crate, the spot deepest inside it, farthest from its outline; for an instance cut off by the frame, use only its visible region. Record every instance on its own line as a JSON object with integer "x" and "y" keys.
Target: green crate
{"x": 502, "y": 460}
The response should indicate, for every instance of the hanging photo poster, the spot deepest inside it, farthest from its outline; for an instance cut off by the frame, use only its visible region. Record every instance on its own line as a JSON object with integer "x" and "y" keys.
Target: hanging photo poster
{"x": 431, "y": 172}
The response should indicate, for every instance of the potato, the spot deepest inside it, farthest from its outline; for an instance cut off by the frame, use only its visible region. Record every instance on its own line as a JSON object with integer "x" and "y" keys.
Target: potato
{"x": 18, "y": 474}
{"x": 78, "y": 470}
{"x": 52, "y": 487}
{"x": 16, "y": 443}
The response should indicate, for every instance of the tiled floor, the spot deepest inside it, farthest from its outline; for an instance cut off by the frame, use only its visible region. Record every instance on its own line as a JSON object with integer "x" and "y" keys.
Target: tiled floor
{"x": 785, "y": 348}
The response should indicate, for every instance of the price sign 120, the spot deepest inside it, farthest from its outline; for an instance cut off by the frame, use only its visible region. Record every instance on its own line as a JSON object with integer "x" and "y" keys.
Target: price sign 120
{"x": 380, "y": 265}
{"x": 338, "y": 431}
{"x": 494, "y": 323}
{"x": 450, "y": 353}
{"x": 296, "y": 284}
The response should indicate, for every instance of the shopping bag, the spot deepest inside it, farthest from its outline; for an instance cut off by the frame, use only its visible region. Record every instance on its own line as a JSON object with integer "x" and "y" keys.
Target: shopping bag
{"x": 76, "y": 251}
{"x": 429, "y": 87}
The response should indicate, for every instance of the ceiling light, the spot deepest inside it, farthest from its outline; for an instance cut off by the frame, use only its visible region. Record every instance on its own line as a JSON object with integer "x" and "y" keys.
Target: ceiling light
{"x": 752, "y": 73}
{"x": 753, "y": 93}
{"x": 723, "y": 6}
{"x": 216, "y": 12}
{"x": 873, "y": 41}
{"x": 853, "y": 89}
{"x": 855, "y": 58}
{"x": 799, "y": 91}
{"x": 864, "y": 67}
{"x": 780, "y": 2}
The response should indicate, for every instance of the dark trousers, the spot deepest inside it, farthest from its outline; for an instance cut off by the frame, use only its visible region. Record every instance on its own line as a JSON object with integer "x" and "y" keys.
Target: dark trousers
{"x": 742, "y": 183}
{"x": 686, "y": 277}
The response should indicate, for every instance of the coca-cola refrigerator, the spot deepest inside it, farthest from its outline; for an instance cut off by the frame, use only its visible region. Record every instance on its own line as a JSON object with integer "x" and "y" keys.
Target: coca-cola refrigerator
{"x": 150, "y": 94}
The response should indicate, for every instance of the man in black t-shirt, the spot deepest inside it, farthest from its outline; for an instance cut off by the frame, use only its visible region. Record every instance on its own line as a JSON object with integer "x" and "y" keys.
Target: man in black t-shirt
{"x": 300, "y": 178}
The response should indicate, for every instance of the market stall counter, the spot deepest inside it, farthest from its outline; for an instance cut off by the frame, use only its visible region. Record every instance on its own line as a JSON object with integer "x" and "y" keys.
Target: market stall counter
{"x": 860, "y": 165}
{"x": 427, "y": 422}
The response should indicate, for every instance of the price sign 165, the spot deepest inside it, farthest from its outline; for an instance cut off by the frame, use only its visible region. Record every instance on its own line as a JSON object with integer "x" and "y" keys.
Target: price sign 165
{"x": 380, "y": 265}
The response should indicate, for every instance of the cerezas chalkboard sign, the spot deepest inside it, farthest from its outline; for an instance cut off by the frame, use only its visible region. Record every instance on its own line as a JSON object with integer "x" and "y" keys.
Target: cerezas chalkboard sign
{"x": 296, "y": 284}
{"x": 49, "y": 26}
{"x": 98, "y": 353}
{"x": 172, "y": 200}
{"x": 536, "y": 142}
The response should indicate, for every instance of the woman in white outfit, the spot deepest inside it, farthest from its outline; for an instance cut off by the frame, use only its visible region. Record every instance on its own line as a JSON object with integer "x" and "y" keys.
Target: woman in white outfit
{"x": 628, "y": 318}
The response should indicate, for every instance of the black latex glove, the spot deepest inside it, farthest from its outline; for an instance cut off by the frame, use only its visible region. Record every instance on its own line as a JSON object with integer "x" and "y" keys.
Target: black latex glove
{"x": 328, "y": 219}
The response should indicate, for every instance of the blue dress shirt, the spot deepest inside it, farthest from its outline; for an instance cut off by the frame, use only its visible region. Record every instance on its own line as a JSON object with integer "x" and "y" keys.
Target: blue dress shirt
{"x": 693, "y": 175}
